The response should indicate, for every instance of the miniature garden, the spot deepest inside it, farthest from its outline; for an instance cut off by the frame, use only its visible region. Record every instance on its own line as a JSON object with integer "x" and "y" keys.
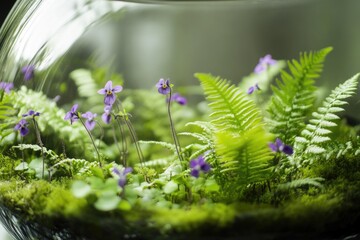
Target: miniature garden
{"x": 266, "y": 157}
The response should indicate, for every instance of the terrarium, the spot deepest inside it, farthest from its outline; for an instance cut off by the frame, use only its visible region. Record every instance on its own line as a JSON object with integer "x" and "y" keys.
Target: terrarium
{"x": 173, "y": 120}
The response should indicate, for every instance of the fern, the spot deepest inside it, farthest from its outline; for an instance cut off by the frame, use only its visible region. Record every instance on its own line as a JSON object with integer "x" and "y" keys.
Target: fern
{"x": 300, "y": 183}
{"x": 205, "y": 137}
{"x": 79, "y": 167}
{"x": 241, "y": 141}
{"x": 36, "y": 148}
{"x": 51, "y": 120}
{"x": 7, "y": 119}
{"x": 244, "y": 158}
{"x": 316, "y": 134}
{"x": 293, "y": 96}
{"x": 85, "y": 83}
{"x": 232, "y": 111}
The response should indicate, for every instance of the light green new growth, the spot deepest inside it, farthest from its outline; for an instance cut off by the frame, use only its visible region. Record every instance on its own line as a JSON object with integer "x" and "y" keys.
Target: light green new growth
{"x": 293, "y": 96}
{"x": 205, "y": 137}
{"x": 241, "y": 141}
{"x": 316, "y": 133}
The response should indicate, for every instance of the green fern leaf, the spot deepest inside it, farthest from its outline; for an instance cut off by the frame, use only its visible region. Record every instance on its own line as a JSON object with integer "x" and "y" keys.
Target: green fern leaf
{"x": 244, "y": 158}
{"x": 294, "y": 95}
{"x": 232, "y": 111}
{"x": 314, "y": 137}
{"x": 300, "y": 183}
{"x": 241, "y": 141}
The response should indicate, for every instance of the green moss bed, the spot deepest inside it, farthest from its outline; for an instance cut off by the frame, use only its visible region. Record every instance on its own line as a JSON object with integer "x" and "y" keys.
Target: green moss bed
{"x": 49, "y": 209}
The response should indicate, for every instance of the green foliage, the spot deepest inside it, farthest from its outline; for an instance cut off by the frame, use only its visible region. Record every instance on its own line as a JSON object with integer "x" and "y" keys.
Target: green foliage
{"x": 241, "y": 140}
{"x": 316, "y": 133}
{"x": 205, "y": 137}
{"x": 7, "y": 119}
{"x": 300, "y": 183}
{"x": 231, "y": 110}
{"x": 244, "y": 160}
{"x": 293, "y": 97}
{"x": 51, "y": 121}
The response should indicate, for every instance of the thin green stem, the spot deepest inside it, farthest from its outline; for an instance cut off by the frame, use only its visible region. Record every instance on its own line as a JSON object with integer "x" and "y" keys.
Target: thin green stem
{"x": 135, "y": 139}
{"x": 38, "y": 137}
{"x": 92, "y": 140}
{"x": 123, "y": 150}
{"x": 173, "y": 131}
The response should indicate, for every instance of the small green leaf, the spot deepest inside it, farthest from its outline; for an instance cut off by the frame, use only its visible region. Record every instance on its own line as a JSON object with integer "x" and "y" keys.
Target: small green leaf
{"x": 107, "y": 201}
{"x": 37, "y": 165}
{"x": 125, "y": 205}
{"x": 211, "y": 185}
{"x": 80, "y": 189}
{"x": 22, "y": 166}
{"x": 170, "y": 187}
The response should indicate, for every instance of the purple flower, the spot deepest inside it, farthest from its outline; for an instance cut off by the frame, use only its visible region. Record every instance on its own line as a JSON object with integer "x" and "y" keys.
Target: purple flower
{"x": 6, "y": 86}
{"x": 22, "y": 127}
{"x": 199, "y": 165}
{"x": 253, "y": 89}
{"x": 121, "y": 175}
{"x": 163, "y": 86}
{"x": 28, "y": 72}
{"x": 109, "y": 91}
{"x": 90, "y": 122}
{"x": 279, "y": 146}
{"x": 176, "y": 97}
{"x": 264, "y": 63}
{"x": 106, "y": 116}
{"x": 72, "y": 114}
{"x": 31, "y": 113}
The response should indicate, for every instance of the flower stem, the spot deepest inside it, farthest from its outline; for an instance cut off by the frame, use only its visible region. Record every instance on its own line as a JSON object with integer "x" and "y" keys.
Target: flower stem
{"x": 123, "y": 149}
{"x": 135, "y": 139}
{"x": 173, "y": 131}
{"x": 38, "y": 137}
{"x": 93, "y": 142}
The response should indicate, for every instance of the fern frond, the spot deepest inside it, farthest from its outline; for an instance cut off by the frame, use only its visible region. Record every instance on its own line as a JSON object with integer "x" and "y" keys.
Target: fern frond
{"x": 300, "y": 183}
{"x": 293, "y": 96}
{"x": 315, "y": 135}
{"x": 231, "y": 110}
{"x": 157, "y": 162}
{"x": 37, "y": 148}
{"x": 7, "y": 119}
{"x": 86, "y": 86}
{"x": 51, "y": 119}
{"x": 244, "y": 158}
{"x": 167, "y": 145}
{"x": 78, "y": 167}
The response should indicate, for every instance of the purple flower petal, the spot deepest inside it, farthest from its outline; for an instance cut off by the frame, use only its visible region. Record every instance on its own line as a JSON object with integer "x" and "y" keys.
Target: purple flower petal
{"x": 117, "y": 89}
{"x": 6, "y": 86}
{"x": 90, "y": 125}
{"x": 195, "y": 173}
{"x": 264, "y": 63}
{"x": 106, "y": 118}
{"x": 28, "y": 72}
{"x": 250, "y": 90}
{"x": 199, "y": 165}
{"x": 102, "y": 91}
{"x": 128, "y": 170}
{"x": 163, "y": 86}
{"x": 288, "y": 150}
{"x": 273, "y": 147}
{"x": 109, "y": 99}
{"x": 108, "y": 86}
{"x": 22, "y": 127}
{"x": 74, "y": 108}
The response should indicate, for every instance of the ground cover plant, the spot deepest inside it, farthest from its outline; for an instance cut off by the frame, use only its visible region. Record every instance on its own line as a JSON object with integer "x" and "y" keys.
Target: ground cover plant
{"x": 262, "y": 157}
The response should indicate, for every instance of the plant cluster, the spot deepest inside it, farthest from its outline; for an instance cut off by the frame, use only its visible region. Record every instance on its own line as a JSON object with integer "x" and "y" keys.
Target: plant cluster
{"x": 253, "y": 146}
